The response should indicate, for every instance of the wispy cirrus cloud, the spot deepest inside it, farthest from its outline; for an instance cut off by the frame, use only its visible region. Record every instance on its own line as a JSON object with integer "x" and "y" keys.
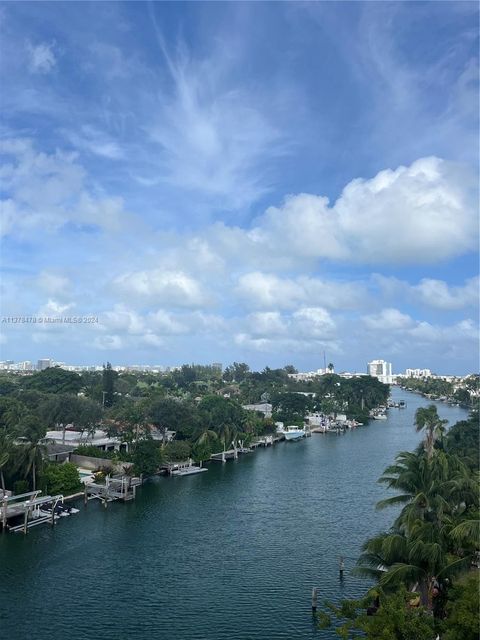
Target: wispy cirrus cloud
{"x": 214, "y": 136}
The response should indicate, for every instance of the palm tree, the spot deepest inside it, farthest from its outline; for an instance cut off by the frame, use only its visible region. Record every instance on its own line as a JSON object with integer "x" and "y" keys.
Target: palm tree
{"x": 206, "y": 436}
{"x": 4, "y": 458}
{"x": 430, "y": 489}
{"x": 428, "y": 420}
{"x": 416, "y": 560}
{"x": 6, "y": 450}
{"x": 32, "y": 435}
{"x": 467, "y": 532}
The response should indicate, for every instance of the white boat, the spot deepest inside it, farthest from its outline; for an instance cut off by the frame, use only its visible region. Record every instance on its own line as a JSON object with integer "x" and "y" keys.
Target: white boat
{"x": 188, "y": 471}
{"x": 379, "y": 416}
{"x": 293, "y": 433}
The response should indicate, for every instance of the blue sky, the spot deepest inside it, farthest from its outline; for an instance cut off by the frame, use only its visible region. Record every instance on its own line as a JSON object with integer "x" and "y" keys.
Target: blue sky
{"x": 257, "y": 182}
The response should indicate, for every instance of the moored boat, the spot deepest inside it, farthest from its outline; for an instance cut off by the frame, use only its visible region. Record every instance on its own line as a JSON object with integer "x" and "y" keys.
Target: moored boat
{"x": 293, "y": 433}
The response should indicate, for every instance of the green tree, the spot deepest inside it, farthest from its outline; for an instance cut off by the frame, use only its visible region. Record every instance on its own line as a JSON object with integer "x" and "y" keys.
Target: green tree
{"x": 463, "y": 440}
{"x": 392, "y": 619}
{"x": 431, "y": 489}
{"x": 177, "y": 451}
{"x": 428, "y": 420}
{"x": 169, "y": 414}
{"x": 11, "y": 413}
{"x": 463, "y": 618}
{"x": 147, "y": 457}
{"x": 291, "y": 407}
{"x": 33, "y": 448}
{"x": 54, "y": 380}
{"x": 236, "y": 372}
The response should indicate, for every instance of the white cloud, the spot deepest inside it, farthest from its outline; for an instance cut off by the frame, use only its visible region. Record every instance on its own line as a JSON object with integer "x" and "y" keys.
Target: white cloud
{"x": 46, "y": 191}
{"x": 121, "y": 320}
{"x": 163, "y": 287}
{"x": 42, "y": 58}
{"x": 269, "y": 291}
{"x": 53, "y": 283}
{"x": 417, "y": 214}
{"x": 90, "y": 139}
{"x": 308, "y": 328}
{"x": 212, "y": 137}
{"x": 313, "y": 322}
{"x": 464, "y": 330}
{"x": 438, "y": 294}
{"x": 267, "y": 323}
{"x": 388, "y": 320}
{"x": 54, "y": 308}
{"x": 165, "y": 323}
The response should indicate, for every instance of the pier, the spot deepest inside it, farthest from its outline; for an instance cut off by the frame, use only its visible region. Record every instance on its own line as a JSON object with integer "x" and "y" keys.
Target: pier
{"x": 115, "y": 488}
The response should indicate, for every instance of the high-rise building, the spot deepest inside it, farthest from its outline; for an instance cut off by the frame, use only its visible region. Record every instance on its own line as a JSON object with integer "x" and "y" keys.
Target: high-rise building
{"x": 45, "y": 363}
{"x": 381, "y": 370}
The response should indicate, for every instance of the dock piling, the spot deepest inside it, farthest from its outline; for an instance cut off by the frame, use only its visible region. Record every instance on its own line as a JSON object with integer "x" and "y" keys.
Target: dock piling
{"x": 314, "y": 599}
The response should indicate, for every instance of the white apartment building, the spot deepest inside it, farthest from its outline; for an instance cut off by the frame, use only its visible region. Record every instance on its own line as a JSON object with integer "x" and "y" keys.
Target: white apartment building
{"x": 418, "y": 373}
{"x": 380, "y": 369}
{"x": 310, "y": 375}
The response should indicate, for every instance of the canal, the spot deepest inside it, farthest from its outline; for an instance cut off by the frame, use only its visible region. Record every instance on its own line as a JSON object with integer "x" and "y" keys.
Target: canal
{"x": 228, "y": 554}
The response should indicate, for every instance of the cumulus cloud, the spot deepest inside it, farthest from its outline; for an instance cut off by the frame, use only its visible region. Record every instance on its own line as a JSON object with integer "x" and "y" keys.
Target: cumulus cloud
{"x": 393, "y": 326}
{"x": 174, "y": 288}
{"x": 48, "y": 190}
{"x": 417, "y": 214}
{"x": 306, "y": 328}
{"x": 388, "y": 320}
{"x": 42, "y": 58}
{"x": 438, "y": 294}
{"x": 267, "y": 291}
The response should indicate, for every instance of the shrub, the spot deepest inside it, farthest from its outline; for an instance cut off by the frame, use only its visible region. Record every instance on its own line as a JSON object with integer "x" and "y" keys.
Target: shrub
{"x": 60, "y": 478}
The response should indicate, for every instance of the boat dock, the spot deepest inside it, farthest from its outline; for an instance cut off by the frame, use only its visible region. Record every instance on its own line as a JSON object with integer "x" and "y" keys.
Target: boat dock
{"x": 115, "y": 488}
{"x": 31, "y": 507}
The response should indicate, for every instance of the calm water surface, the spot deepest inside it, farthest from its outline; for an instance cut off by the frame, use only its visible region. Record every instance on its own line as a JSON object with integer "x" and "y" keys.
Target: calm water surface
{"x": 232, "y": 553}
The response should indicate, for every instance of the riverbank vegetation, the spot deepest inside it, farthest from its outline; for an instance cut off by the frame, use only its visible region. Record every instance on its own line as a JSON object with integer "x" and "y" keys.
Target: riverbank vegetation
{"x": 465, "y": 393}
{"x": 425, "y": 567}
{"x": 202, "y": 407}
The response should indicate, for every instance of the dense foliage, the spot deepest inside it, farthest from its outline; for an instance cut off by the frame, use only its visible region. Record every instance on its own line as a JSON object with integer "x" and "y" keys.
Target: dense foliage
{"x": 201, "y": 407}
{"x": 429, "y": 550}
{"x": 465, "y": 394}
{"x": 60, "y": 479}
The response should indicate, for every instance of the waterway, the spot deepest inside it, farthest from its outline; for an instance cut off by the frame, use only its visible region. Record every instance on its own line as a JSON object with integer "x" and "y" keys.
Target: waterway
{"x": 229, "y": 554}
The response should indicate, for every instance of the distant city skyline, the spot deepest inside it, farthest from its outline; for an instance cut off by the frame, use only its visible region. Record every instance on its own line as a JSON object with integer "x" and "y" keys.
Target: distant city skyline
{"x": 378, "y": 368}
{"x": 176, "y": 187}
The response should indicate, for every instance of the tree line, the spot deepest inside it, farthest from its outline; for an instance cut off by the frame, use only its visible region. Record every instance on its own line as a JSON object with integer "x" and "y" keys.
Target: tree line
{"x": 202, "y": 405}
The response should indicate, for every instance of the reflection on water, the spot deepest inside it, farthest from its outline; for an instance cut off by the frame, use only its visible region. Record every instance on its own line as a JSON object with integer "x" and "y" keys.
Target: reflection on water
{"x": 232, "y": 553}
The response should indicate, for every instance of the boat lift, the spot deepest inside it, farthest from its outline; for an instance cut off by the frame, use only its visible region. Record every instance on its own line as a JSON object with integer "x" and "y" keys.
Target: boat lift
{"x": 115, "y": 488}
{"x": 29, "y": 505}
